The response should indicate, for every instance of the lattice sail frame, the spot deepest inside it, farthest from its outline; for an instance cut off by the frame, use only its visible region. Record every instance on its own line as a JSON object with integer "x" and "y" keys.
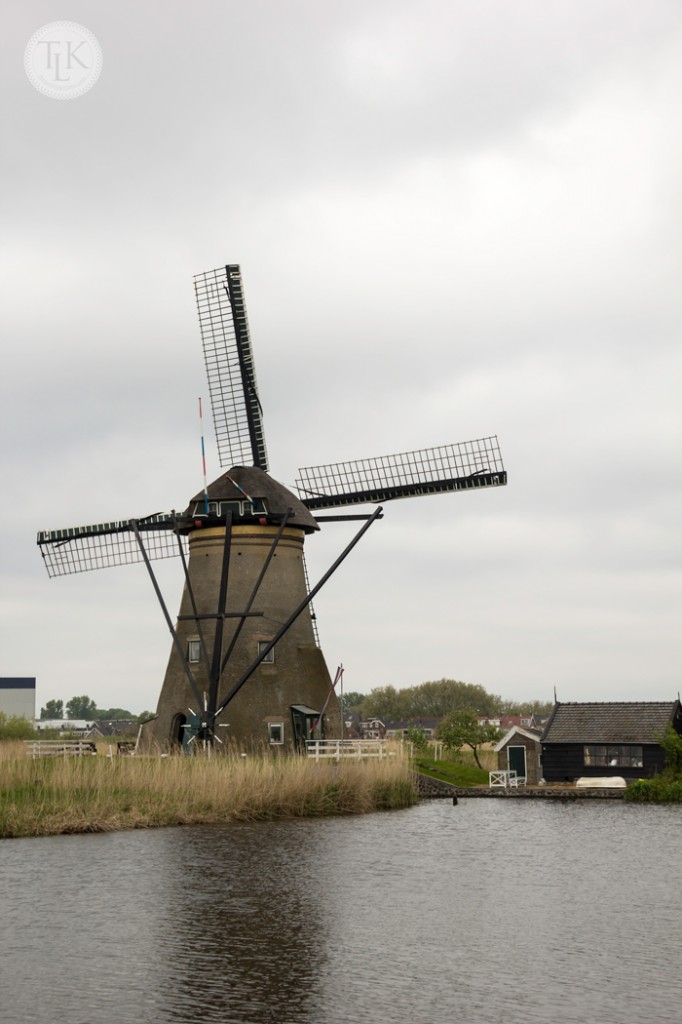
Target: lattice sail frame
{"x": 230, "y": 368}
{"x": 103, "y": 545}
{"x": 453, "y": 467}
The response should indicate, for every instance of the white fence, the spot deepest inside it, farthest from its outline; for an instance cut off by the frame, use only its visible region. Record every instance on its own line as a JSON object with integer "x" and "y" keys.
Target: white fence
{"x": 337, "y": 750}
{"x": 59, "y": 748}
{"x": 506, "y": 780}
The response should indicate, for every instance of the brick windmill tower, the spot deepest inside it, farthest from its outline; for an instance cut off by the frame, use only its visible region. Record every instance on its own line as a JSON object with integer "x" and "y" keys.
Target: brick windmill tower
{"x": 245, "y": 668}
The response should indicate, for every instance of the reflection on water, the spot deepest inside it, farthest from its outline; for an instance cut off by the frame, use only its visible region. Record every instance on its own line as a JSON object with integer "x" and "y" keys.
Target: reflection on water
{"x": 519, "y": 911}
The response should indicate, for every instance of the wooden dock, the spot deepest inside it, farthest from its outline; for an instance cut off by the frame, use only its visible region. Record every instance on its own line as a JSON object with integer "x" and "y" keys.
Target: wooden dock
{"x": 435, "y": 789}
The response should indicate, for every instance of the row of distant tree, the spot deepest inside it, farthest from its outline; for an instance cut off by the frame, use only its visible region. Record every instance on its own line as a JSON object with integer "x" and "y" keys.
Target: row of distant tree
{"x": 436, "y": 700}
{"x": 85, "y": 708}
{"x": 427, "y": 700}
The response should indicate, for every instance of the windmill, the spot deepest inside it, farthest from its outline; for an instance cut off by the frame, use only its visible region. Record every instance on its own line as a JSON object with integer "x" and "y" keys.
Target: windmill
{"x": 245, "y": 666}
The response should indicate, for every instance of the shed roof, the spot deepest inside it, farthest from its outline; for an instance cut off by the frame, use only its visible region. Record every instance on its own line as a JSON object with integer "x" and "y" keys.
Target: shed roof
{"x": 627, "y": 722}
{"x": 516, "y": 730}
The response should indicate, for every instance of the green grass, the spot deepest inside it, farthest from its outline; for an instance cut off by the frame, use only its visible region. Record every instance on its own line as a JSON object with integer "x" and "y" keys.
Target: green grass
{"x": 463, "y": 772}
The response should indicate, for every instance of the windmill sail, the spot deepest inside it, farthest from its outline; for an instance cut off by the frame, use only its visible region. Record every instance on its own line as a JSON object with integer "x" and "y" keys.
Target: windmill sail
{"x": 453, "y": 467}
{"x": 83, "y": 548}
{"x": 230, "y": 368}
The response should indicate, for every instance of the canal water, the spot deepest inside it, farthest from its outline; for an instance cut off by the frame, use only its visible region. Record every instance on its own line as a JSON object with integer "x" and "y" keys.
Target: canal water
{"x": 515, "y": 911}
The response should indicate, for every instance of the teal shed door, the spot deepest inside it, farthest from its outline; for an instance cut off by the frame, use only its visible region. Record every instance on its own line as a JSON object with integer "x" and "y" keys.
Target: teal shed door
{"x": 517, "y": 761}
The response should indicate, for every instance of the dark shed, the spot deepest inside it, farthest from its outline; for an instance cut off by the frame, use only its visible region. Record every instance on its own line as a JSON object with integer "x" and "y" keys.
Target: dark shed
{"x": 597, "y": 740}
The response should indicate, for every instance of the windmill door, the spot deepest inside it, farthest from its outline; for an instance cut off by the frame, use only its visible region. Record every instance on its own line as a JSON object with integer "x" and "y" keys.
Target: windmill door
{"x": 303, "y": 720}
{"x": 184, "y": 730}
{"x": 517, "y": 761}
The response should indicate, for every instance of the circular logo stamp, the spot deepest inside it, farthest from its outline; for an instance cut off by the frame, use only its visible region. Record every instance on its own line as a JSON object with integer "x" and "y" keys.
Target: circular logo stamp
{"x": 63, "y": 60}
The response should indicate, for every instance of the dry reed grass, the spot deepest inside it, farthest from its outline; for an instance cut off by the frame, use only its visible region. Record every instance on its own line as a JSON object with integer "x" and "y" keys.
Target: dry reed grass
{"x": 10, "y": 750}
{"x": 96, "y": 794}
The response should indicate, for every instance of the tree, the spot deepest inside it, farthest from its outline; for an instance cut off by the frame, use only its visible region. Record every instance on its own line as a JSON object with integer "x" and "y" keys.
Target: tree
{"x": 384, "y": 702}
{"x": 526, "y": 707}
{"x": 81, "y": 707}
{"x": 52, "y": 709}
{"x": 461, "y": 728}
{"x": 438, "y": 698}
{"x": 418, "y": 739}
{"x": 428, "y": 700}
{"x": 110, "y": 714}
{"x": 352, "y": 700}
{"x": 146, "y": 716}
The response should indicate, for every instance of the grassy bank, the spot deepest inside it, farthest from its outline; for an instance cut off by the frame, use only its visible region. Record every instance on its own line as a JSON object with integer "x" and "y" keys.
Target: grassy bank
{"x": 460, "y": 770}
{"x": 97, "y": 794}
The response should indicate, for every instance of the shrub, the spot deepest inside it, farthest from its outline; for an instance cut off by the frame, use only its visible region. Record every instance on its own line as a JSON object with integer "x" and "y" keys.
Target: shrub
{"x": 659, "y": 790}
{"x": 418, "y": 739}
{"x": 15, "y": 728}
{"x": 671, "y": 741}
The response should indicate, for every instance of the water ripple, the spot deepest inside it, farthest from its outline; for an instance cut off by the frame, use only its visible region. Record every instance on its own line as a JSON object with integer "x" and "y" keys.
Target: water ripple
{"x": 517, "y": 910}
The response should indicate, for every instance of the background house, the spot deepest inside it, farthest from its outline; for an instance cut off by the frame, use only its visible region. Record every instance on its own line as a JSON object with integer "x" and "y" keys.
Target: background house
{"x": 506, "y": 722}
{"x": 597, "y": 740}
{"x": 119, "y": 727}
{"x": 63, "y": 726}
{"x": 351, "y": 725}
{"x": 399, "y": 730}
{"x": 372, "y": 729}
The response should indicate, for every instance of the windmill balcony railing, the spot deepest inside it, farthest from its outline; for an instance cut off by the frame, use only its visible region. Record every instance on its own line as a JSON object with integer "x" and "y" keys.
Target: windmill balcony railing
{"x": 337, "y": 750}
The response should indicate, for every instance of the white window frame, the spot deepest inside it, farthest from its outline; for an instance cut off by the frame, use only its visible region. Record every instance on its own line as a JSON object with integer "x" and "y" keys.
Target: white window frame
{"x": 271, "y": 727}
{"x": 193, "y": 650}
{"x": 613, "y": 755}
{"x": 269, "y": 658}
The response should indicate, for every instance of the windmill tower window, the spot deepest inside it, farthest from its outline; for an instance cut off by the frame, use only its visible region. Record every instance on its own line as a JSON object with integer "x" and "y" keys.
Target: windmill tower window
{"x": 269, "y": 658}
{"x": 194, "y": 650}
{"x": 276, "y": 733}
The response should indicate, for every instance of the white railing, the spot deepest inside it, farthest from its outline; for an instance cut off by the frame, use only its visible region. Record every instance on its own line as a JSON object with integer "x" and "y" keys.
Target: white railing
{"x": 341, "y": 749}
{"x": 59, "y": 748}
{"x": 505, "y": 780}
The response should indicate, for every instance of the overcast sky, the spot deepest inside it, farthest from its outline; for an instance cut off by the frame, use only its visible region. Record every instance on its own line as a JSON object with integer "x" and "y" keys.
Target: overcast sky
{"x": 453, "y": 219}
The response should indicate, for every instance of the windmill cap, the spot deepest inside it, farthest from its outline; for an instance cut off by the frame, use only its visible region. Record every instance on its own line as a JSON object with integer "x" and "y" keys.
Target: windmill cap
{"x": 243, "y": 482}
